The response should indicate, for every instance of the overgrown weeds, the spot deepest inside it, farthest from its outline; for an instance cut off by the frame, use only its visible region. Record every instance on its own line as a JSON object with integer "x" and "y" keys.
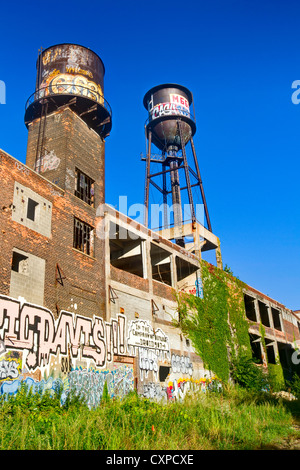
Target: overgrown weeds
{"x": 233, "y": 419}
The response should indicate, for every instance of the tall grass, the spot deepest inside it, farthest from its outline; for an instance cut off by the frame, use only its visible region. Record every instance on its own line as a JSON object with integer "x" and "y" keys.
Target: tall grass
{"x": 233, "y": 419}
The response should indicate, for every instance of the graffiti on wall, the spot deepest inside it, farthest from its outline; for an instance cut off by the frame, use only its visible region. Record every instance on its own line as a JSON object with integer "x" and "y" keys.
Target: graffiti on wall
{"x": 9, "y": 369}
{"x": 148, "y": 361}
{"x": 48, "y": 162}
{"x": 78, "y": 353}
{"x": 142, "y": 334}
{"x": 151, "y": 346}
{"x": 177, "y": 389}
{"x": 181, "y": 364}
{"x": 89, "y": 384}
{"x": 154, "y": 391}
{"x": 34, "y": 330}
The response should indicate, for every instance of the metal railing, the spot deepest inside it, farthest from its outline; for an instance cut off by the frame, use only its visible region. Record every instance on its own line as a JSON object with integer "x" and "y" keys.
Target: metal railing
{"x": 68, "y": 89}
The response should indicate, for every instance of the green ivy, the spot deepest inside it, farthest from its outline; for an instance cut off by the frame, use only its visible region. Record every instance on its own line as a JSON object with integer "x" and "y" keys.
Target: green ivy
{"x": 216, "y": 323}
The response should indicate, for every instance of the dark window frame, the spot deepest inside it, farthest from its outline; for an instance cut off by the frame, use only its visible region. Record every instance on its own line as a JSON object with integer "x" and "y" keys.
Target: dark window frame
{"x": 17, "y": 258}
{"x": 83, "y": 239}
{"x": 31, "y": 209}
{"x": 84, "y": 187}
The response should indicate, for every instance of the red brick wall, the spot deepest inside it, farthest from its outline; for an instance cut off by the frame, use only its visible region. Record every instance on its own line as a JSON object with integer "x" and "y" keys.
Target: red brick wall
{"x": 129, "y": 279}
{"x": 85, "y": 276}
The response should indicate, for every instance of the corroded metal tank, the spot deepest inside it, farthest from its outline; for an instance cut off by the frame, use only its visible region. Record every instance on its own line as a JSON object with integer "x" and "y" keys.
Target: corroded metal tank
{"x": 166, "y": 104}
{"x": 70, "y": 69}
{"x": 70, "y": 74}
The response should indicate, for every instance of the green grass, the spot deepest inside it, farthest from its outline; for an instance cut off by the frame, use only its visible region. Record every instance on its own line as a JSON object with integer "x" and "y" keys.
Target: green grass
{"x": 235, "y": 419}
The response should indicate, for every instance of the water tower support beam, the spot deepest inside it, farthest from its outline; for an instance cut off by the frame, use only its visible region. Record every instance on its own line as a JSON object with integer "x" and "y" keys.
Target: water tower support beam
{"x": 187, "y": 175}
{"x": 165, "y": 193}
{"x": 146, "y": 201}
{"x": 201, "y": 185}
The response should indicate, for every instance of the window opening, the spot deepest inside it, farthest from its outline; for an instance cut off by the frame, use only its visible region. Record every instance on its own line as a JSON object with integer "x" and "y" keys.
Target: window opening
{"x": 31, "y": 209}
{"x": 161, "y": 264}
{"x": 83, "y": 237}
{"x": 264, "y": 315}
{"x": 250, "y": 308}
{"x": 84, "y": 187}
{"x": 20, "y": 263}
{"x": 126, "y": 251}
{"x": 276, "y": 318}
{"x": 255, "y": 342}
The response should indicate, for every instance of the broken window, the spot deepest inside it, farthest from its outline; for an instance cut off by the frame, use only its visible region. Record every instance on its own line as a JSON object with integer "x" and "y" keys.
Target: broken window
{"x": 83, "y": 237}
{"x": 270, "y": 351}
{"x": 163, "y": 372}
{"x": 264, "y": 313}
{"x": 276, "y": 318}
{"x": 186, "y": 276}
{"x": 161, "y": 264}
{"x": 126, "y": 250}
{"x": 31, "y": 209}
{"x": 250, "y": 308}
{"x": 84, "y": 187}
{"x": 255, "y": 342}
{"x": 19, "y": 263}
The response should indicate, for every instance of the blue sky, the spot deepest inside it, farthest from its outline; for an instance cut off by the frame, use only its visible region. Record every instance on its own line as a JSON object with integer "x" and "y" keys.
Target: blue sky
{"x": 239, "y": 58}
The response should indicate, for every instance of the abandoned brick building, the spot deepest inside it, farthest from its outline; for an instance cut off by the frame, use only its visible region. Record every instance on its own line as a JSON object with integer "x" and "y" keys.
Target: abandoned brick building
{"x": 87, "y": 294}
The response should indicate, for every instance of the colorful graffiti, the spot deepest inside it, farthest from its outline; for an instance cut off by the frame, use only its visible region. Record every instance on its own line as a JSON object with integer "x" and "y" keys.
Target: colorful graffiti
{"x": 167, "y": 109}
{"x": 64, "y": 83}
{"x": 177, "y": 389}
{"x": 79, "y": 354}
{"x": 89, "y": 384}
{"x": 34, "y": 330}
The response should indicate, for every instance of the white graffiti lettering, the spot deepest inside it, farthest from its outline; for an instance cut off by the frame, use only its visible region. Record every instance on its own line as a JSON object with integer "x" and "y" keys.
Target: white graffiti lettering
{"x": 34, "y": 329}
{"x": 181, "y": 364}
{"x": 9, "y": 369}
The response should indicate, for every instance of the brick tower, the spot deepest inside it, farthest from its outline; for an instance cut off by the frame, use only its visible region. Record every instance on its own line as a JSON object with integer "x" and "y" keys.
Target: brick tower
{"x": 68, "y": 120}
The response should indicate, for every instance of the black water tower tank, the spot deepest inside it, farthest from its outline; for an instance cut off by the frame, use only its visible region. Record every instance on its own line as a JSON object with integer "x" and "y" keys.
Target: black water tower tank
{"x": 166, "y": 104}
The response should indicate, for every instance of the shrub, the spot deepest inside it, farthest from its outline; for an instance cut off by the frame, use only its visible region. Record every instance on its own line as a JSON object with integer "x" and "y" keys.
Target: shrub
{"x": 248, "y": 375}
{"x": 275, "y": 377}
{"x": 294, "y": 386}
{"x": 105, "y": 395}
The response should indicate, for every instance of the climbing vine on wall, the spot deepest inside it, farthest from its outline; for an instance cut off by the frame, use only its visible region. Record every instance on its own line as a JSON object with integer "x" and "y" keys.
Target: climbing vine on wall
{"x": 216, "y": 323}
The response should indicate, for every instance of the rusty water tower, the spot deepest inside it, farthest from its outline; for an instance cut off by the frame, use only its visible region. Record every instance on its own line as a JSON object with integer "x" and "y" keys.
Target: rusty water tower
{"x": 69, "y": 75}
{"x": 170, "y": 127}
